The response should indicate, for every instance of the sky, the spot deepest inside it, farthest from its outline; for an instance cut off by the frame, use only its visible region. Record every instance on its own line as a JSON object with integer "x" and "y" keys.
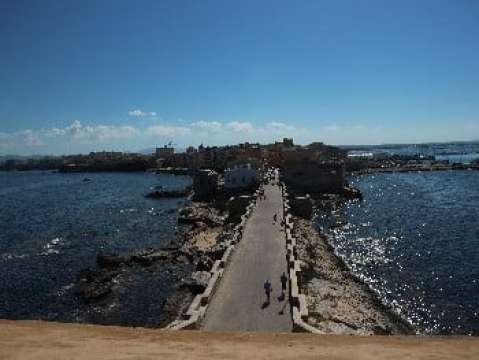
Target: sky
{"x": 80, "y": 76}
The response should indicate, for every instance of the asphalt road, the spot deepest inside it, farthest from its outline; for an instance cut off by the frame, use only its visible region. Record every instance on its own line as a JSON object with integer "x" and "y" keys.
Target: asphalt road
{"x": 239, "y": 303}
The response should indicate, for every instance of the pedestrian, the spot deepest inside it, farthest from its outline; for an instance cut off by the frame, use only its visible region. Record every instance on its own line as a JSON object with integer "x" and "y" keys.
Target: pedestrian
{"x": 284, "y": 281}
{"x": 267, "y": 289}
{"x": 275, "y": 217}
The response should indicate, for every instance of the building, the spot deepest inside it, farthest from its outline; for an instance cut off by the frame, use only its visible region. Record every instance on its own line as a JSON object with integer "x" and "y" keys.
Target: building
{"x": 315, "y": 177}
{"x": 205, "y": 183}
{"x": 240, "y": 176}
{"x": 165, "y": 152}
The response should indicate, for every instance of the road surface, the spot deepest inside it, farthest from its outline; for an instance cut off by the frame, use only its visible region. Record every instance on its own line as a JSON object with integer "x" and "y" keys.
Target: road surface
{"x": 239, "y": 303}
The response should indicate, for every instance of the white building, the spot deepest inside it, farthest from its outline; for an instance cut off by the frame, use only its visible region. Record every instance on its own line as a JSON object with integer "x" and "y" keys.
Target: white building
{"x": 240, "y": 176}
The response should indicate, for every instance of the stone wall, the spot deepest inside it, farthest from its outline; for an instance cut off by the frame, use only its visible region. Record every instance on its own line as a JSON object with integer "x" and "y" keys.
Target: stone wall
{"x": 298, "y": 301}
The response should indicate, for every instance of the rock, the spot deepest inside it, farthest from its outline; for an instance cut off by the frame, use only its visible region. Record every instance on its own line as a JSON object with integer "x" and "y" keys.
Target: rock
{"x": 217, "y": 251}
{"x": 182, "y": 259}
{"x": 174, "y": 306}
{"x": 302, "y": 206}
{"x": 189, "y": 253}
{"x": 204, "y": 264}
{"x": 199, "y": 226}
{"x": 151, "y": 257}
{"x": 236, "y": 207}
{"x": 196, "y": 214}
{"x": 351, "y": 193}
{"x": 109, "y": 261}
{"x": 95, "y": 285}
{"x": 168, "y": 193}
{"x": 197, "y": 282}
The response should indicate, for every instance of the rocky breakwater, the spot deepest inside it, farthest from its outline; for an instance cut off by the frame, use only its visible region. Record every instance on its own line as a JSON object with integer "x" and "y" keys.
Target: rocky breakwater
{"x": 337, "y": 301}
{"x": 214, "y": 255}
{"x": 205, "y": 234}
{"x": 158, "y": 194}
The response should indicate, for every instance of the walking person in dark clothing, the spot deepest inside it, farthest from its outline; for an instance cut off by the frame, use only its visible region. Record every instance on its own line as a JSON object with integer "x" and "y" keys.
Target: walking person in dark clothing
{"x": 267, "y": 289}
{"x": 284, "y": 281}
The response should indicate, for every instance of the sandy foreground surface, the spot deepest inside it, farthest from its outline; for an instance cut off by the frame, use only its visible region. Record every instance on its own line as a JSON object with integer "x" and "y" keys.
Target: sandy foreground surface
{"x": 45, "y": 340}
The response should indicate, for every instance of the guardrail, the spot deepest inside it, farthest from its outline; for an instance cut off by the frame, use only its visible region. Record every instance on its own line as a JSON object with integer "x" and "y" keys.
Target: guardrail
{"x": 299, "y": 306}
{"x": 191, "y": 319}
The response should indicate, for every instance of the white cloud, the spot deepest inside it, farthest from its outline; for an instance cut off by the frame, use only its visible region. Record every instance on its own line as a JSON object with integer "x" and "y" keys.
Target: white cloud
{"x": 279, "y": 126}
{"x": 239, "y": 126}
{"x": 168, "y": 130}
{"x": 6, "y": 140}
{"x": 211, "y": 127}
{"x": 93, "y": 133}
{"x": 140, "y": 113}
{"x": 30, "y": 137}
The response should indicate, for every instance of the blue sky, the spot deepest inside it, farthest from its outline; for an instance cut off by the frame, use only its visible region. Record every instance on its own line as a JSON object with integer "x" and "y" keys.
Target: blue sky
{"x": 77, "y": 76}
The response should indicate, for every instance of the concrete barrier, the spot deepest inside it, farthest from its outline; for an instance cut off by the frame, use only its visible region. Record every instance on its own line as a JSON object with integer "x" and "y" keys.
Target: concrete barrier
{"x": 205, "y": 298}
{"x": 226, "y": 256}
{"x": 299, "y": 304}
{"x": 195, "y": 305}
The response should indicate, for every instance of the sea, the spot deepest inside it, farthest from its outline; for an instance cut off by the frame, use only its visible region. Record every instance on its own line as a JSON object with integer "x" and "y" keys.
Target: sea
{"x": 414, "y": 239}
{"x": 52, "y": 226}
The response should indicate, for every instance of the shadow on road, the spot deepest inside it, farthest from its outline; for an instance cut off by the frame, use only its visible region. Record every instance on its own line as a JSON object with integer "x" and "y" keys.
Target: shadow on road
{"x": 281, "y": 312}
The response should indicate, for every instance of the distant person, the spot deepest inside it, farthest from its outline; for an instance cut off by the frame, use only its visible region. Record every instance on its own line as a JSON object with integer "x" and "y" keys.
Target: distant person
{"x": 284, "y": 281}
{"x": 275, "y": 217}
{"x": 267, "y": 289}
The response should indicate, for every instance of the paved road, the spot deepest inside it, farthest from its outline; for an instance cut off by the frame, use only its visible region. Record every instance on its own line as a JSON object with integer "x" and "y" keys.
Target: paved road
{"x": 239, "y": 302}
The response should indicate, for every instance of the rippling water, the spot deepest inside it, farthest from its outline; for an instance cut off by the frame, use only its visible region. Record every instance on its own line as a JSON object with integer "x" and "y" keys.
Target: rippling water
{"x": 52, "y": 225}
{"x": 415, "y": 239}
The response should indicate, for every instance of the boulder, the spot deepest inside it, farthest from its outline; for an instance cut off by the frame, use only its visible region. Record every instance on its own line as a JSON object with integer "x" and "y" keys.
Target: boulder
{"x": 148, "y": 258}
{"x": 199, "y": 214}
{"x": 217, "y": 251}
{"x": 204, "y": 264}
{"x": 109, "y": 261}
{"x": 95, "y": 285}
{"x": 302, "y": 206}
{"x": 197, "y": 283}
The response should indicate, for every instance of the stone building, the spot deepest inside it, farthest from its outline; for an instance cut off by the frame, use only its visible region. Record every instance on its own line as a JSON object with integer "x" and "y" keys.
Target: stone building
{"x": 315, "y": 177}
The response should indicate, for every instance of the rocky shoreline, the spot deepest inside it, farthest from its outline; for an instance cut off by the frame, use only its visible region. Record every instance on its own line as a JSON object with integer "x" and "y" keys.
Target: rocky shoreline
{"x": 204, "y": 231}
{"x": 339, "y": 302}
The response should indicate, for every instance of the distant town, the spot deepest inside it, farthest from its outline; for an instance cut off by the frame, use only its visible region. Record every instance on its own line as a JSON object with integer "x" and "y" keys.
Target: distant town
{"x": 301, "y": 163}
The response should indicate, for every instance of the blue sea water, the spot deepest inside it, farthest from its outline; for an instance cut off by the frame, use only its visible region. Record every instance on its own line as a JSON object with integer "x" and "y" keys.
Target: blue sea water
{"x": 52, "y": 225}
{"x": 414, "y": 238}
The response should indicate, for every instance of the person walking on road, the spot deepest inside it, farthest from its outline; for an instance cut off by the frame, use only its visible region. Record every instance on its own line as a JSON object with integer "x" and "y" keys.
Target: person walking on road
{"x": 284, "y": 281}
{"x": 267, "y": 289}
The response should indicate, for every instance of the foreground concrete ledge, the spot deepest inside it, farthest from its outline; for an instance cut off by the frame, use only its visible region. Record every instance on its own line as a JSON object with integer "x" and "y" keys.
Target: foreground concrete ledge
{"x": 46, "y": 340}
